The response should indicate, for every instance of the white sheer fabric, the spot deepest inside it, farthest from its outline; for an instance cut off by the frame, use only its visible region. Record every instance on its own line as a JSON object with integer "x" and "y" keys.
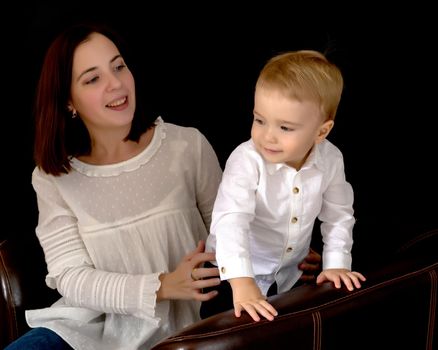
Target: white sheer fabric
{"x": 108, "y": 231}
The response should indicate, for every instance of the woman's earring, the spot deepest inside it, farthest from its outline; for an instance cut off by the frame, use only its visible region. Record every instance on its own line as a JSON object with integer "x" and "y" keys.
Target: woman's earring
{"x": 74, "y": 114}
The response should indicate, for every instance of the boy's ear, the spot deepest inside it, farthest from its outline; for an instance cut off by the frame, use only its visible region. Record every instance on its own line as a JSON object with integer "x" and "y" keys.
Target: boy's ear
{"x": 324, "y": 130}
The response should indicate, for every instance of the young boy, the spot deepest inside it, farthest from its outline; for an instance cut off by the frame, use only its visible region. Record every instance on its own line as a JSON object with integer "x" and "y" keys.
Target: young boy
{"x": 276, "y": 184}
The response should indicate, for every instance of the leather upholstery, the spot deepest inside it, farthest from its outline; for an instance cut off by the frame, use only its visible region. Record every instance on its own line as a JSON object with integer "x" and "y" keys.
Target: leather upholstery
{"x": 395, "y": 309}
{"x": 10, "y": 295}
{"x": 22, "y": 273}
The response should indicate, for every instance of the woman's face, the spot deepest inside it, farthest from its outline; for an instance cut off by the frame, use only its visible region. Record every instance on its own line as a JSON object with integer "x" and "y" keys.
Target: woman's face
{"x": 102, "y": 87}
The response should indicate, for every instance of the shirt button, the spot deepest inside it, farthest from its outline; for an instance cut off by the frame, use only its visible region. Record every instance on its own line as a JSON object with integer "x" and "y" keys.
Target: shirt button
{"x": 296, "y": 190}
{"x": 289, "y": 249}
{"x": 294, "y": 220}
{"x": 223, "y": 269}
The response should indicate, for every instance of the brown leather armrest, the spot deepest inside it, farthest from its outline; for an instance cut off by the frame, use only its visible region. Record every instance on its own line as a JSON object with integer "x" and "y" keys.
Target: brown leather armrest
{"x": 22, "y": 282}
{"x": 395, "y": 308}
{"x": 11, "y": 293}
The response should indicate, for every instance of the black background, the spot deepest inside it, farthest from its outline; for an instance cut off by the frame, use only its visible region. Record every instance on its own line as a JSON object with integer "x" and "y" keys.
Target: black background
{"x": 200, "y": 62}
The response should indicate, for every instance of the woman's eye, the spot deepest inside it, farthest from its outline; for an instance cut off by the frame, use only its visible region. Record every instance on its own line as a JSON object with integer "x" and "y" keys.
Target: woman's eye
{"x": 120, "y": 67}
{"x": 92, "y": 80}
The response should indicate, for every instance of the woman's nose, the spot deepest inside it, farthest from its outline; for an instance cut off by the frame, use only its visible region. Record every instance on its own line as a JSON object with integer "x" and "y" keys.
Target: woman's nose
{"x": 114, "y": 82}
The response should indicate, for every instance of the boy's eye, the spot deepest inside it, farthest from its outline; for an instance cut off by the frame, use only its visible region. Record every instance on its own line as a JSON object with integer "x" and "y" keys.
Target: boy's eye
{"x": 285, "y": 128}
{"x": 258, "y": 121}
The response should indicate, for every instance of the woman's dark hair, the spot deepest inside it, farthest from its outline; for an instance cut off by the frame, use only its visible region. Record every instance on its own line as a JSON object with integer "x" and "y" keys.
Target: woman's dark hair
{"x": 58, "y": 136}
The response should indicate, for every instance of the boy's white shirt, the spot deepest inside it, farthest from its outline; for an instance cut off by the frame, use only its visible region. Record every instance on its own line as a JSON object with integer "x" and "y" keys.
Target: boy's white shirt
{"x": 262, "y": 227}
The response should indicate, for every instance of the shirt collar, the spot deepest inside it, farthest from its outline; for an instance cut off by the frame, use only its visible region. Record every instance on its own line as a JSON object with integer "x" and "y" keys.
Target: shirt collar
{"x": 315, "y": 159}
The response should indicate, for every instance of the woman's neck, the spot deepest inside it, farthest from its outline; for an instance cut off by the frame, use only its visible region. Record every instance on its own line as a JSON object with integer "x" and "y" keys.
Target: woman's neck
{"x": 105, "y": 153}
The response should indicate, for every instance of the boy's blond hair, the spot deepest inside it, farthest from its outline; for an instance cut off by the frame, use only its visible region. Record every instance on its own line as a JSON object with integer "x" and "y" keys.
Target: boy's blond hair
{"x": 304, "y": 75}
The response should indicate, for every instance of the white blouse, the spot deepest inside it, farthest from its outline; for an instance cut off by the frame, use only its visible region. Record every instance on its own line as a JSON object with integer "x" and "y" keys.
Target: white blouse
{"x": 264, "y": 215}
{"x": 108, "y": 232}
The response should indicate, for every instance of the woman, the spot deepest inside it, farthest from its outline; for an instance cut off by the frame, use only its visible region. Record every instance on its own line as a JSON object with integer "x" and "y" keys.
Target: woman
{"x": 122, "y": 198}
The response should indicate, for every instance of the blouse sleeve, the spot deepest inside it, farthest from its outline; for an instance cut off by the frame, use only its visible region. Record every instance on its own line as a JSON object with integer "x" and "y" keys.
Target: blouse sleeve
{"x": 70, "y": 269}
{"x": 209, "y": 174}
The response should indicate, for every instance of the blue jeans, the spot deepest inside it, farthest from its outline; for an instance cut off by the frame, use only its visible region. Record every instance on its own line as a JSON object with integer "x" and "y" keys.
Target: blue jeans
{"x": 39, "y": 339}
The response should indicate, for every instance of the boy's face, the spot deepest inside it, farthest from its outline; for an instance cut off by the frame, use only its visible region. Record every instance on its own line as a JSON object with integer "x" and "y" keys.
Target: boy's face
{"x": 285, "y": 130}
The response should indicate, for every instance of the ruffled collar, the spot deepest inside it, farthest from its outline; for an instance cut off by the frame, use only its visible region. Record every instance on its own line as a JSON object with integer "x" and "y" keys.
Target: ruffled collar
{"x": 128, "y": 165}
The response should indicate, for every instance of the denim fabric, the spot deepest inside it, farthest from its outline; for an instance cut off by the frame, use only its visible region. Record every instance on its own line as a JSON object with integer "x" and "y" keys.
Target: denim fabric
{"x": 39, "y": 339}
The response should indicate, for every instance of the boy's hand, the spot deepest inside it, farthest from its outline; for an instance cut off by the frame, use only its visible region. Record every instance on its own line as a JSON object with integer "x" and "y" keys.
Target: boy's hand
{"x": 351, "y": 279}
{"x": 247, "y": 296}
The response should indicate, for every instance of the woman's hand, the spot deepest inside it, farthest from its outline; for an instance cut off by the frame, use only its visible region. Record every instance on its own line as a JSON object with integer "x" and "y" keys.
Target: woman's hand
{"x": 188, "y": 279}
{"x": 311, "y": 266}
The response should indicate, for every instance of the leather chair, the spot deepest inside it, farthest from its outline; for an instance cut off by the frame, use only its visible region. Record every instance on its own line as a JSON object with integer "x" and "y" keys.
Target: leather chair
{"x": 396, "y": 308}
{"x": 22, "y": 274}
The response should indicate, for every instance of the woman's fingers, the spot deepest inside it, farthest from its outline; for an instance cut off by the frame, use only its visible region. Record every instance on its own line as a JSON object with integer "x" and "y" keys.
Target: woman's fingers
{"x": 199, "y": 258}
